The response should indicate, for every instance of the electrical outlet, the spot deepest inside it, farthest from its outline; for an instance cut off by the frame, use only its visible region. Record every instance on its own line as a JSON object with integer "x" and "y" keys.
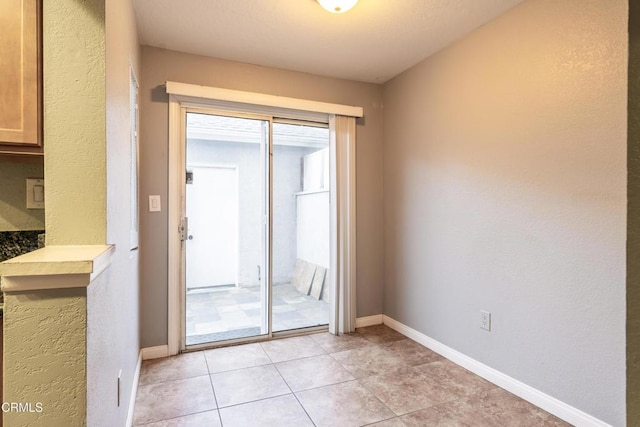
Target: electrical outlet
{"x": 485, "y": 320}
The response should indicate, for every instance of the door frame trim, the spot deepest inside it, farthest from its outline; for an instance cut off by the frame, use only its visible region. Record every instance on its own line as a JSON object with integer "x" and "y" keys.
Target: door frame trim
{"x": 175, "y": 267}
{"x": 200, "y": 96}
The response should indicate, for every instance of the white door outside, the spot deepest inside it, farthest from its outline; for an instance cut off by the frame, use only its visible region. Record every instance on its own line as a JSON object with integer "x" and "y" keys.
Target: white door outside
{"x": 212, "y": 243}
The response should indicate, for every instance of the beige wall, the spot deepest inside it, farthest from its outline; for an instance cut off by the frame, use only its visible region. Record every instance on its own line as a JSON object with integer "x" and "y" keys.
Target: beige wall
{"x": 54, "y": 375}
{"x": 633, "y": 219}
{"x": 159, "y": 66}
{"x": 14, "y": 214}
{"x": 505, "y": 191}
{"x": 75, "y": 191}
{"x": 74, "y": 124}
{"x": 113, "y": 336}
{"x": 88, "y": 49}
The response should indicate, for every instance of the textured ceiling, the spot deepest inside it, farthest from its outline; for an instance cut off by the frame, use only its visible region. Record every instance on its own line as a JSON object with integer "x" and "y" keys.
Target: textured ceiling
{"x": 373, "y": 42}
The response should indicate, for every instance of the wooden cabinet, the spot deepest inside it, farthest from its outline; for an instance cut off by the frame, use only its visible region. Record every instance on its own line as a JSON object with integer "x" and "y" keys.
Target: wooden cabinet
{"x": 20, "y": 77}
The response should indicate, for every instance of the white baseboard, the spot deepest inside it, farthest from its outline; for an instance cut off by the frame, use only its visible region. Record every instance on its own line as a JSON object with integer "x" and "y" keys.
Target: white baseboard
{"x": 155, "y": 352}
{"x": 550, "y": 404}
{"x": 134, "y": 391}
{"x": 376, "y": 319}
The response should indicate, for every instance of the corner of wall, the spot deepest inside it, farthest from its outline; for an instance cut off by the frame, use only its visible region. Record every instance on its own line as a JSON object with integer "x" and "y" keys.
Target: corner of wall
{"x": 633, "y": 219}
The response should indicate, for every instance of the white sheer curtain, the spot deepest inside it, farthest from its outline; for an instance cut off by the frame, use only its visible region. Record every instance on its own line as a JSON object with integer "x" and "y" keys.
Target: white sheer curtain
{"x": 343, "y": 219}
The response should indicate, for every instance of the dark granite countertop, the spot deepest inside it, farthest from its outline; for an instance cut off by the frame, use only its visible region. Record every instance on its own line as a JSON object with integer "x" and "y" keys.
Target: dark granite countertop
{"x": 15, "y": 243}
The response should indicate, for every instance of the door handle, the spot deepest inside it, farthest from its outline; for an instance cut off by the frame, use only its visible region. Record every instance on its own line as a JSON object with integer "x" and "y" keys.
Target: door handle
{"x": 190, "y": 237}
{"x": 183, "y": 229}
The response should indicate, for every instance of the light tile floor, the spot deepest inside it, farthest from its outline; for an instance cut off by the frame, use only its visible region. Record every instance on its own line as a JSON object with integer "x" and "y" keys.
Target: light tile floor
{"x": 229, "y": 313}
{"x": 374, "y": 377}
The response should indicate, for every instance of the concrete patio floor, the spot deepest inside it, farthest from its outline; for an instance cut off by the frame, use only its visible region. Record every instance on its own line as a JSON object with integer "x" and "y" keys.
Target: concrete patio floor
{"x": 235, "y": 312}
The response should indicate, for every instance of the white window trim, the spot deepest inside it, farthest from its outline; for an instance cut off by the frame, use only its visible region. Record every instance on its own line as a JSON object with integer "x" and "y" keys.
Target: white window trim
{"x": 183, "y": 95}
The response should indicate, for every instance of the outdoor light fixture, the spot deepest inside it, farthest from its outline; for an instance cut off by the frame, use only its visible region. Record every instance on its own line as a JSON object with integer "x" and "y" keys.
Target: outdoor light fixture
{"x": 337, "y": 6}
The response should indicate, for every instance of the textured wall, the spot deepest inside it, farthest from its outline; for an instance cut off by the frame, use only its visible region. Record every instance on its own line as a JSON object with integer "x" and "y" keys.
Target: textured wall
{"x": 74, "y": 125}
{"x": 88, "y": 50}
{"x": 113, "y": 341}
{"x": 505, "y": 191}
{"x": 159, "y": 66}
{"x": 14, "y": 214}
{"x": 633, "y": 220}
{"x": 45, "y": 364}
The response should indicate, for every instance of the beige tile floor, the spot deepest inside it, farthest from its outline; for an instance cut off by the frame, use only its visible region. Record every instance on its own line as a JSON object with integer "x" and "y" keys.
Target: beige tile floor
{"x": 374, "y": 377}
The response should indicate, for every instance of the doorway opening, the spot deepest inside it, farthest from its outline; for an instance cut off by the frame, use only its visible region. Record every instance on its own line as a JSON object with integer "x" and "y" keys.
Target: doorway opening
{"x": 257, "y": 245}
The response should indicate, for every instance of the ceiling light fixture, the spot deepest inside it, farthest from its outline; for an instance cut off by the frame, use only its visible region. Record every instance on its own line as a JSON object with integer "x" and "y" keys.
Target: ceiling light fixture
{"x": 337, "y": 6}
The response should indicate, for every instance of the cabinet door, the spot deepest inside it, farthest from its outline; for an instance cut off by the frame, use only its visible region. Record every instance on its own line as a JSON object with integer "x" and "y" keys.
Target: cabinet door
{"x": 20, "y": 88}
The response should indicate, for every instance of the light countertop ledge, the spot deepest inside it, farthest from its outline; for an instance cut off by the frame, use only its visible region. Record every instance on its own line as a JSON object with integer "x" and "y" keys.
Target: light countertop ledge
{"x": 55, "y": 267}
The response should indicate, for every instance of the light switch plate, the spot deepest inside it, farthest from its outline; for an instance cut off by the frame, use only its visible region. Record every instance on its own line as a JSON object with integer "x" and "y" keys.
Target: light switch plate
{"x": 35, "y": 193}
{"x": 154, "y": 203}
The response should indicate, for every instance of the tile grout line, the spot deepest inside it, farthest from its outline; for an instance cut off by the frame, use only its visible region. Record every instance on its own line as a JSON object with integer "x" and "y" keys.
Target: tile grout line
{"x": 360, "y": 381}
{"x": 254, "y": 401}
{"x": 175, "y": 379}
{"x": 357, "y": 348}
{"x": 372, "y": 344}
{"x": 213, "y": 389}
{"x": 326, "y": 385}
{"x": 166, "y": 381}
{"x": 173, "y": 418}
{"x": 288, "y": 360}
{"x": 304, "y": 409}
{"x": 379, "y": 400}
{"x": 294, "y": 395}
{"x": 429, "y": 407}
{"x": 386, "y": 419}
{"x": 240, "y": 369}
{"x": 398, "y": 416}
{"x": 267, "y": 398}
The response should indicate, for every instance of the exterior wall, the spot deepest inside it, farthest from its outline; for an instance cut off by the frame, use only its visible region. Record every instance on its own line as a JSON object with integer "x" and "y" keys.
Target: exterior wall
{"x": 14, "y": 215}
{"x": 314, "y": 224}
{"x": 159, "y": 66}
{"x": 505, "y": 191}
{"x": 286, "y": 175}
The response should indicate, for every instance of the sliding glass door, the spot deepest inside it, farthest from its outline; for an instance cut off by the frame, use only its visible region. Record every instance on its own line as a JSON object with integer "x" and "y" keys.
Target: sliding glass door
{"x": 256, "y": 249}
{"x": 226, "y": 248}
{"x": 300, "y": 225}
